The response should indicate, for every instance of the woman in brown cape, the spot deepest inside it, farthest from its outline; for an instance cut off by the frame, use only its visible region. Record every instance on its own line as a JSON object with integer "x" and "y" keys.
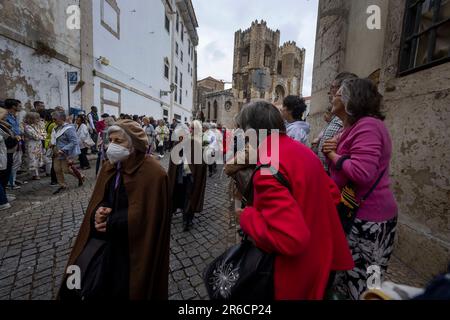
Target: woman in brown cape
{"x": 122, "y": 248}
{"x": 187, "y": 178}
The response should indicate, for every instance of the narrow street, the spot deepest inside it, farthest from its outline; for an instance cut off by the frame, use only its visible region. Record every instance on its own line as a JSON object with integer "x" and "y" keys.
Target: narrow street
{"x": 37, "y": 233}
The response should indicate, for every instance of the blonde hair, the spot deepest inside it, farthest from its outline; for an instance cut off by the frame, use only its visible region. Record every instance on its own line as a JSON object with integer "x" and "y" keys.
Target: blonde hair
{"x": 31, "y": 118}
{"x": 3, "y": 113}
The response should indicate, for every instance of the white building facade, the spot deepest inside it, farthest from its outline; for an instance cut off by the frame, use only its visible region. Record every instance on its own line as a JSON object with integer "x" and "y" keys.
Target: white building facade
{"x": 144, "y": 57}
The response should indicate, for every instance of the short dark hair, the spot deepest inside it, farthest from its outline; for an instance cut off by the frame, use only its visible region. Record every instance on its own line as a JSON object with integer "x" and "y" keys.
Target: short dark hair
{"x": 11, "y": 103}
{"x": 48, "y": 115}
{"x": 259, "y": 115}
{"x": 82, "y": 117}
{"x": 94, "y": 108}
{"x": 344, "y": 76}
{"x": 296, "y": 106}
{"x": 105, "y": 115}
{"x": 361, "y": 99}
{"x": 36, "y": 103}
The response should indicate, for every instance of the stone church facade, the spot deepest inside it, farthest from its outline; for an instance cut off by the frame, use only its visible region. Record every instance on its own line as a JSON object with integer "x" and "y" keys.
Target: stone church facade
{"x": 262, "y": 69}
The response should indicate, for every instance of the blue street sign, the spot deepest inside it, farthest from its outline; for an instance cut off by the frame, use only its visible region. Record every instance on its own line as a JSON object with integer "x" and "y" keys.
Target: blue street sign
{"x": 73, "y": 77}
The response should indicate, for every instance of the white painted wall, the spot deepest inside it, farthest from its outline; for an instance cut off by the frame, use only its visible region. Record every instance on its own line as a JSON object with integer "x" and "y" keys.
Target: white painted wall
{"x": 142, "y": 105}
{"x": 47, "y": 77}
{"x": 137, "y": 58}
{"x": 186, "y": 106}
{"x": 362, "y": 42}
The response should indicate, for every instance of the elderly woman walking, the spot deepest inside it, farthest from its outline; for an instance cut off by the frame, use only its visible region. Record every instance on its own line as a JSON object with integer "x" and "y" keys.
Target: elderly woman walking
{"x": 187, "y": 177}
{"x": 85, "y": 141}
{"x": 34, "y": 138}
{"x": 122, "y": 248}
{"x": 150, "y": 132}
{"x": 297, "y": 220}
{"x": 65, "y": 149}
{"x": 359, "y": 157}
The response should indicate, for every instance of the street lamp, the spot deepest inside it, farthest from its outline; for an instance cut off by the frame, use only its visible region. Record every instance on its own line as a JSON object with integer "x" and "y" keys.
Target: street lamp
{"x": 163, "y": 93}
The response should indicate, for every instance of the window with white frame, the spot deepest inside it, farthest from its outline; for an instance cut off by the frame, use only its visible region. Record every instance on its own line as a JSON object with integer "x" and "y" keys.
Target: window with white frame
{"x": 182, "y": 32}
{"x": 166, "y": 68}
{"x": 176, "y": 75}
{"x": 167, "y": 23}
{"x": 110, "y": 17}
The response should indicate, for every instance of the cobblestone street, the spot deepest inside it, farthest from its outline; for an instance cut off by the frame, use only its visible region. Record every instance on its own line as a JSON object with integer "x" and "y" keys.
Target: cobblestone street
{"x": 37, "y": 233}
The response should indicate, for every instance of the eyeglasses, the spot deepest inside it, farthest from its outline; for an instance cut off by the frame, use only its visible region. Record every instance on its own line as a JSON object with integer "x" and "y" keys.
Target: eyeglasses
{"x": 334, "y": 87}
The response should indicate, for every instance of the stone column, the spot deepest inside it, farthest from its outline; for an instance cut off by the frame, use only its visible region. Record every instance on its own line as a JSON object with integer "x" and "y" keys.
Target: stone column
{"x": 87, "y": 53}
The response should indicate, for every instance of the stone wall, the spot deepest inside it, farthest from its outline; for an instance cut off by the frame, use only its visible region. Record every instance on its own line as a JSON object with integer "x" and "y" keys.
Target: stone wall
{"x": 417, "y": 107}
{"x": 225, "y": 116}
{"x": 418, "y": 116}
{"x": 257, "y": 49}
{"x": 37, "y": 49}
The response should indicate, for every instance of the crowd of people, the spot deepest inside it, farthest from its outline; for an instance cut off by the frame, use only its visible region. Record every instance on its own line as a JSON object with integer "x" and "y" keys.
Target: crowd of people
{"x": 123, "y": 243}
{"x": 51, "y": 143}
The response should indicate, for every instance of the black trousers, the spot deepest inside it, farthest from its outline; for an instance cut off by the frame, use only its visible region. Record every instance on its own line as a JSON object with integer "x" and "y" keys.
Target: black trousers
{"x": 4, "y": 174}
{"x": 212, "y": 168}
{"x": 54, "y": 180}
{"x": 84, "y": 162}
{"x": 160, "y": 150}
{"x": 94, "y": 137}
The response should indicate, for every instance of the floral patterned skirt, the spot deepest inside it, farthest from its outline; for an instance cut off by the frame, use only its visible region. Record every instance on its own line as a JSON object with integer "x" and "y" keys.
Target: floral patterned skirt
{"x": 371, "y": 244}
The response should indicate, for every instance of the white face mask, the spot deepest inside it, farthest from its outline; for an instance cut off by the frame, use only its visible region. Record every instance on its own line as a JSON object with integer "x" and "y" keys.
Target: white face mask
{"x": 117, "y": 153}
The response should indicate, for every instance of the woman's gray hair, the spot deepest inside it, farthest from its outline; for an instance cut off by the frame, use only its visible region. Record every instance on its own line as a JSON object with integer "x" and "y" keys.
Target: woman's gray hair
{"x": 109, "y": 121}
{"x": 59, "y": 115}
{"x": 361, "y": 99}
{"x": 114, "y": 129}
{"x": 346, "y": 97}
{"x": 259, "y": 115}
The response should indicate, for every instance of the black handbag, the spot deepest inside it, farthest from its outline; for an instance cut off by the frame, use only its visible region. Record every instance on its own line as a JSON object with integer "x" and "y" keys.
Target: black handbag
{"x": 91, "y": 264}
{"x": 11, "y": 142}
{"x": 243, "y": 272}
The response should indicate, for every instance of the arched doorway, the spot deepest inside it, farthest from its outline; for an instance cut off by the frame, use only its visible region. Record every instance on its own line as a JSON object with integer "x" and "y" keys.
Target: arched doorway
{"x": 280, "y": 93}
{"x": 215, "y": 110}
{"x": 209, "y": 111}
{"x": 267, "y": 56}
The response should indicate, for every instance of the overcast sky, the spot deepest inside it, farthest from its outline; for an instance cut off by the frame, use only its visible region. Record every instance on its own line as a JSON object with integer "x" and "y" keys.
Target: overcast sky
{"x": 219, "y": 19}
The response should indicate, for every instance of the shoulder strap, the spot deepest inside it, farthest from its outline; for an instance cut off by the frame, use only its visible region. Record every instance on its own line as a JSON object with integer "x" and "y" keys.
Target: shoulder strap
{"x": 374, "y": 186}
{"x": 248, "y": 197}
{"x": 276, "y": 173}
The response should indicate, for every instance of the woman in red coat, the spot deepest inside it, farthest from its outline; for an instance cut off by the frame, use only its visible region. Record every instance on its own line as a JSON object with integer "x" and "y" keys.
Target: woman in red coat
{"x": 301, "y": 225}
